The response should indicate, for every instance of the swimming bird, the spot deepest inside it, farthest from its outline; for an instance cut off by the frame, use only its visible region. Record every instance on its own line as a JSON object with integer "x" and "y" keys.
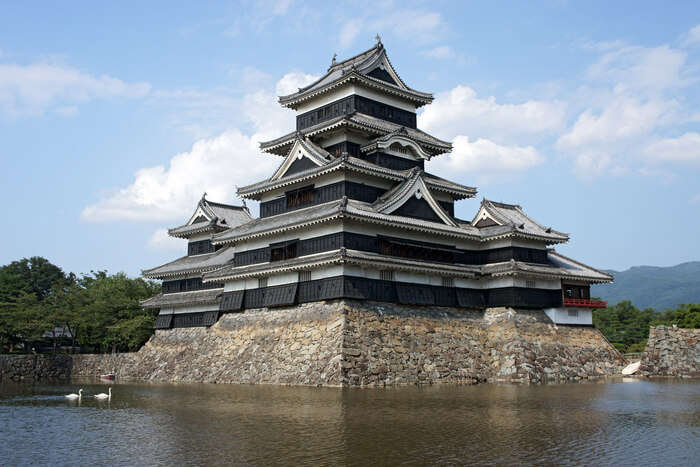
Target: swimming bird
{"x": 102, "y": 395}
{"x": 75, "y": 396}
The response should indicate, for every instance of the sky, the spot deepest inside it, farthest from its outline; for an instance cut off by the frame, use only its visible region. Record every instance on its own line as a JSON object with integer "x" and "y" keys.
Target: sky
{"x": 116, "y": 117}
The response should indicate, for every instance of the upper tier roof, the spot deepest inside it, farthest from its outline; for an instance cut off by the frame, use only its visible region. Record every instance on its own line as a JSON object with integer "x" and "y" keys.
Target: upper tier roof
{"x": 370, "y": 68}
{"x": 372, "y": 125}
{"x": 211, "y": 217}
{"x": 354, "y": 164}
{"x": 367, "y": 212}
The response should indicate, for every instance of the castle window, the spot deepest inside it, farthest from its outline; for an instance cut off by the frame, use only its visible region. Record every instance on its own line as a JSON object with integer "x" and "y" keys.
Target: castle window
{"x": 300, "y": 197}
{"x": 283, "y": 250}
{"x": 304, "y": 276}
{"x": 448, "y": 282}
{"x": 573, "y": 313}
{"x": 262, "y": 282}
{"x": 386, "y": 275}
{"x": 530, "y": 284}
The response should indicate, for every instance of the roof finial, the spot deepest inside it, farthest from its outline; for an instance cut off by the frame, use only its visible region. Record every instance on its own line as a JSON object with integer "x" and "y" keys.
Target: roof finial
{"x": 379, "y": 38}
{"x": 204, "y": 196}
{"x": 334, "y": 57}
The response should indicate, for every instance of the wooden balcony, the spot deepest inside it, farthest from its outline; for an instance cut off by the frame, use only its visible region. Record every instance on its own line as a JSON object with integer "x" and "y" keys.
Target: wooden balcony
{"x": 584, "y": 303}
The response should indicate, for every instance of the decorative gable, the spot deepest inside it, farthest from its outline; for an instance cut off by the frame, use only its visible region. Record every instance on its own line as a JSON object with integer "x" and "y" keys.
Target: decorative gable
{"x": 304, "y": 155}
{"x": 412, "y": 198}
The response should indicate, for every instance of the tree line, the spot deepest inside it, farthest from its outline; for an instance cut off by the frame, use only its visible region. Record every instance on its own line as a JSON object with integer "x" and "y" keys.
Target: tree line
{"x": 43, "y": 307}
{"x": 627, "y": 327}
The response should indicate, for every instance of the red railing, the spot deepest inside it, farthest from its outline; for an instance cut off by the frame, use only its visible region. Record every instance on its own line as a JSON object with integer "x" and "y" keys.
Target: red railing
{"x": 585, "y": 302}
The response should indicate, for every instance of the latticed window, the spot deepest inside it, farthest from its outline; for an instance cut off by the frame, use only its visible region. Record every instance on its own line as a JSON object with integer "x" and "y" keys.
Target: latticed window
{"x": 573, "y": 313}
{"x": 448, "y": 282}
{"x": 300, "y": 197}
{"x": 284, "y": 250}
{"x": 530, "y": 284}
{"x": 304, "y": 276}
{"x": 262, "y": 282}
{"x": 386, "y": 275}
{"x": 409, "y": 250}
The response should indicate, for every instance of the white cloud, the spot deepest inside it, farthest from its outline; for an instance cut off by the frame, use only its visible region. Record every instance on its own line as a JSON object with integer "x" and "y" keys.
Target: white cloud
{"x": 640, "y": 68}
{"x": 291, "y": 82}
{"x": 160, "y": 240}
{"x": 215, "y": 165}
{"x": 33, "y": 89}
{"x": 442, "y": 52}
{"x": 483, "y": 156}
{"x": 460, "y": 111}
{"x": 623, "y": 118}
{"x": 685, "y": 148}
{"x": 416, "y": 26}
{"x": 692, "y": 37}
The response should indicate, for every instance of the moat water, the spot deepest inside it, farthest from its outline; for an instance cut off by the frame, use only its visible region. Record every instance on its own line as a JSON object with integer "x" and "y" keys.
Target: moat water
{"x": 620, "y": 422}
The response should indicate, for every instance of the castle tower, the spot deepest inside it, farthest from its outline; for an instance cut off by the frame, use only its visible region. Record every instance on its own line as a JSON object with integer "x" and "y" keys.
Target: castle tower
{"x": 351, "y": 212}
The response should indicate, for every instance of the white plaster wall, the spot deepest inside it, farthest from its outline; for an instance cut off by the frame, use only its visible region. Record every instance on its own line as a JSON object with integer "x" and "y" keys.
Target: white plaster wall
{"x": 198, "y": 237}
{"x": 315, "y": 230}
{"x": 584, "y": 316}
{"x": 188, "y": 309}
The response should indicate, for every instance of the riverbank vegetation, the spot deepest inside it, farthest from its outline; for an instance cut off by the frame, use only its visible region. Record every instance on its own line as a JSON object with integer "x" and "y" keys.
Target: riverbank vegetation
{"x": 627, "y": 327}
{"x": 42, "y": 308}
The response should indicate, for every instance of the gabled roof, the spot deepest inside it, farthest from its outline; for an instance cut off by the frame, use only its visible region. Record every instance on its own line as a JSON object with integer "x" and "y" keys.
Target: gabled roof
{"x": 303, "y": 147}
{"x": 191, "y": 265}
{"x": 371, "y": 68}
{"x": 362, "y": 166}
{"x": 493, "y": 216}
{"x": 211, "y": 217}
{"x": 399, "y": 137}
{"x": 362, "y": 122}
{"x": 401, "y": 193}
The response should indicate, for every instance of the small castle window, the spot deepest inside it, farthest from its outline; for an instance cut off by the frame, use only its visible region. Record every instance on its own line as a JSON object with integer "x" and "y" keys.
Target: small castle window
{"x": 284, "y": 250}
{"x": 262, "y": 282}
{"x": 448, "y": 282}
{"x": 530, "y": 284}
{"x": 386, "y": 275}
{"x": 304, "y": 276}
{"x": 300, "y": 197}
{"x": 573, "y": 313}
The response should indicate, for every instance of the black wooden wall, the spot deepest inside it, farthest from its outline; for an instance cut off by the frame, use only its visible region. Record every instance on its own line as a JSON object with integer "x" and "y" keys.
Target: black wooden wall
{"x": 355, "y": 103}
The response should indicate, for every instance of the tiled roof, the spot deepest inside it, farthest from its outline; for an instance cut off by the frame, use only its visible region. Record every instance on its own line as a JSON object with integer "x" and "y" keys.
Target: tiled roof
{"x": 360, "y": 121}
{"x": 358, "y": 165}
{"x": 191, "y": 264}
{"x": 342, "y": 256}
{"x": 513, "y": 217}
{"x": 357, "y": 68}
{"x": 349, "y": 208}
{"x": 199, "y": 297}
{"x": 218, "y": 216}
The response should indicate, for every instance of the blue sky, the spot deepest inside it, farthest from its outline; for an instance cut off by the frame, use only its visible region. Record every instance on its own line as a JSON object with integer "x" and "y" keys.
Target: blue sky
{"x": 115, "y": 119}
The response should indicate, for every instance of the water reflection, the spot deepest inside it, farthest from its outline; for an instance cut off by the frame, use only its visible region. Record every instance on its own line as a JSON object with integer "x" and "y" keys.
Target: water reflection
{"x": 648, "y": 422}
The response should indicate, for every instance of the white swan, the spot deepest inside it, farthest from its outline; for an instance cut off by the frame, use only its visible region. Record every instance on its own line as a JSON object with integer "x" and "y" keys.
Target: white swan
{"x": 102, "y": 395}
{"x": 75, "y": 396}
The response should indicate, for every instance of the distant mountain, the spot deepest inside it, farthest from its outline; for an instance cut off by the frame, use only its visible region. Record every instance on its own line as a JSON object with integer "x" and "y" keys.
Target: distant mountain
{"x": 653, "y": 287}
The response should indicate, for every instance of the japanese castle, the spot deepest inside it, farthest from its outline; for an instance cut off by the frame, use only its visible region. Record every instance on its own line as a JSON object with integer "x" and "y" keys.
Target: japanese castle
{"x": 351, "y": 212}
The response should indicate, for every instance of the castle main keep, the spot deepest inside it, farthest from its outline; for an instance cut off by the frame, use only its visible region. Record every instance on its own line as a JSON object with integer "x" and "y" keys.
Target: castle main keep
{"x": 353, "y": 220}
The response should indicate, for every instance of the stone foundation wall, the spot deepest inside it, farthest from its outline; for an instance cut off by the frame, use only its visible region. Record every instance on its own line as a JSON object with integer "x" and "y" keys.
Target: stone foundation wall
{"x": 34, "y": 367}
{"x": 294, "y": 345}
{"x": 359, "y": 343}
{"x": 671, "y": 352}
{"x": 355, "y": 343}
{"x": 394, "y": 344}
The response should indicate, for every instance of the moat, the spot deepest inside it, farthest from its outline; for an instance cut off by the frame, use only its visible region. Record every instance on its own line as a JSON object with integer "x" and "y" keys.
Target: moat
{"x": 612, "y": 421}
